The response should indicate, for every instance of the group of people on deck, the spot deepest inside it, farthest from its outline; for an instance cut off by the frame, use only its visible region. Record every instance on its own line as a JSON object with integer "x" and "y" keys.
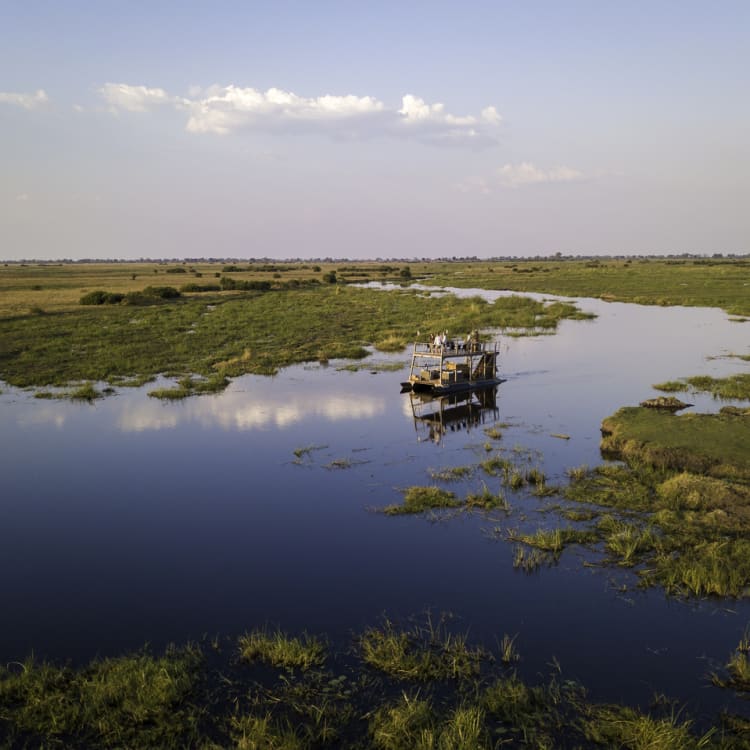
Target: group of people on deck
{"x": 440, "y": 341}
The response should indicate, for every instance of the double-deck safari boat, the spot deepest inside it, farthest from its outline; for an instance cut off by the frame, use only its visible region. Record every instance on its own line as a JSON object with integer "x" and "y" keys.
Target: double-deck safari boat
{"x": 452, "y": 367}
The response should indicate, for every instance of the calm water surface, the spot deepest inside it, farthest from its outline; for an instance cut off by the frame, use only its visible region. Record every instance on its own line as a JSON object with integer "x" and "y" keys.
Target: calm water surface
{"x": 132, "y": 521}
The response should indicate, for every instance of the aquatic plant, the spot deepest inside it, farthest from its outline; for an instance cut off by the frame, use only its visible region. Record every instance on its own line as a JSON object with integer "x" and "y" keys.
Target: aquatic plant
{"x": 553, "y": 540}
{"x": 132, "y": 701}
{"x": 280, "y": 650}
{"x": 420, "y": 653}
{"x": 451, "y": 473}
{"x": 418, "y": 499}
{"x": 530, "y": 560}
{"x": 254, "y": 732}
{"x": 618, "y": 726}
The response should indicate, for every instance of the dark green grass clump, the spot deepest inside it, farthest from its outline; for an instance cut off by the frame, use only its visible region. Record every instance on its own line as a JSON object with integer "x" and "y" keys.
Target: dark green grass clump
{"x": 190, "y": 386}
{"x": 420, "y": 499}
{"x": 280, "y": 650}
{"x": 133, "y": 701}
{"x": 420, "y": 653}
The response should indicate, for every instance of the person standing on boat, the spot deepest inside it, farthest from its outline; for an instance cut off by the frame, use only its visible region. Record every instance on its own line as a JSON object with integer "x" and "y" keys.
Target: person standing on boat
{"x": 437, "y": 342}
{"x": 444, "y": 339}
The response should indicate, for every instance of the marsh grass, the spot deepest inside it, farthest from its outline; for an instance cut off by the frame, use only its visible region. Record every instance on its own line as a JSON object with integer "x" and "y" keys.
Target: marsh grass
{"x": 718, "y": 282}
{"x": 428, "y": 652}
{"x": 414, "y": 724}
{"x": 255, "y": 732}
{"x": 508, "y": 651}
{"x": 419, "y": 499}
{"x": 191, "y": 386}
{"x": 465, "y": 700}
{"x": 133, "y": 701}
{"x": 494, "y": 432}
{"x": 451, "y": 473}
{"x": 487, "y": 500}
{"x": 279, "y": 326}
{"x": 280, "y": 650}
{"x": 628, "y": 542}
{"x": 553, "y": 540}
{"x": 728, "y": 388}
{"x": 618, "y": 726}
{"x": 530, "y": 560}
{"x": 391, "y": 343}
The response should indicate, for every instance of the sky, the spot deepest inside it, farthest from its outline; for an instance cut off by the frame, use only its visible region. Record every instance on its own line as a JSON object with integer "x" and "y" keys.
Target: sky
{"x": 150, "y": 129}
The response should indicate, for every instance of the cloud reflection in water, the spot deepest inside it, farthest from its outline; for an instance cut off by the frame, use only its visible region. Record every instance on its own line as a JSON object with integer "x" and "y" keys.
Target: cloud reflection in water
{"x": 240, "y": 410}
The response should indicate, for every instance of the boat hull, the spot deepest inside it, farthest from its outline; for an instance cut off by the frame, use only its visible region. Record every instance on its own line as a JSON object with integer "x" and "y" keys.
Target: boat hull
{"x": 437, "y": 389}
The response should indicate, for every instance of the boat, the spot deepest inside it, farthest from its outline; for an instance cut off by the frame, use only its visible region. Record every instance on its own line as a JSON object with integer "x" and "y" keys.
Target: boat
{"x": 452, "y": 367}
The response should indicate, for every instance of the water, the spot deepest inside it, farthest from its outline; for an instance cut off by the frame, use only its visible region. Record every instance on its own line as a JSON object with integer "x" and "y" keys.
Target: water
{"x": 131, "y": 520}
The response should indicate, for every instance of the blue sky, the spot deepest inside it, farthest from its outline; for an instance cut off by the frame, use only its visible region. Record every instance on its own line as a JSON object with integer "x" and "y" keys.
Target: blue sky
{"x": 352, "y": 129}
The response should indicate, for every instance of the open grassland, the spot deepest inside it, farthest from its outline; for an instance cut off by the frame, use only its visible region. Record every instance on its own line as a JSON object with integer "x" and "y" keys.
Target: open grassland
{"x": 223, "y": 334}
{"x": 723, "y": 283}
{"x": 392, "y": 688}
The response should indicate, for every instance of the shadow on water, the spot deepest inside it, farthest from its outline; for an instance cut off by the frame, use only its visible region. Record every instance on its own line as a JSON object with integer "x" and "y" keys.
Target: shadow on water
{"x": 435, "y": 417}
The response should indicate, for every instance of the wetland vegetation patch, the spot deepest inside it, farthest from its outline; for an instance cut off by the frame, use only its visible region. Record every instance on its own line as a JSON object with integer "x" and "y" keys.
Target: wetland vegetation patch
{"x": 419, "y": 686}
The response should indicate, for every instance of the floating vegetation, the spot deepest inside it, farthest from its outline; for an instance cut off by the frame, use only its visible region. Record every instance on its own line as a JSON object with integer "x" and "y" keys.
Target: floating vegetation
{"x": 419, "y": 499}
{"x": 529, "y": 560}
{"x": 451, "y": 473}
{"x": 553, "y": 540}
{"x": 191, "y": 386}
{"x": 560, "y": 436}
{"x": 487, "y": 500}
{"x": 307, "y": 450}
{"x": 280, "y": 650}
{"x": 731, "y": 387}
{"x": 493, "y": 432}
{"x": 343, "y": 463}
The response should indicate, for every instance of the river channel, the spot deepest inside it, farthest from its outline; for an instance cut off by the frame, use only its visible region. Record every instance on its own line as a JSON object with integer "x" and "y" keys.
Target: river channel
{"x": 132, "y": 521}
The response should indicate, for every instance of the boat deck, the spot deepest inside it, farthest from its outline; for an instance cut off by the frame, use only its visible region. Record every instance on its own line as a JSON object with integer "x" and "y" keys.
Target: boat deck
{"x": 457, "y": 366}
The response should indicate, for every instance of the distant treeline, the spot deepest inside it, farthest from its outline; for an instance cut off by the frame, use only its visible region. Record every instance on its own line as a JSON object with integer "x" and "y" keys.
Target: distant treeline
{"x": 148, "y": 296}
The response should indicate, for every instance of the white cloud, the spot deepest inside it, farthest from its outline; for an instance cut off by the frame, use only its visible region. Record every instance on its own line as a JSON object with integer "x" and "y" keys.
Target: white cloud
{"x": 27, "y": 101}
{"x": 526, "y": 173}
{"x": 23, "y": 197}
{"x": 122, "y": 96}
{"x": 221, "y": 110}
{"x": 519, "y": 176}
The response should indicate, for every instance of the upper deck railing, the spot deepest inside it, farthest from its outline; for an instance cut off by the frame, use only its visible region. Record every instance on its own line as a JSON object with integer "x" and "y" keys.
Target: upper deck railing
{"x": 455, "y": 347}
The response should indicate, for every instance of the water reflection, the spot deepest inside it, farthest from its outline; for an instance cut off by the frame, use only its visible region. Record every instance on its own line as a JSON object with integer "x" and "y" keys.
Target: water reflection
{"x": 243, "y": 410}
{"x": 434, "y": 418}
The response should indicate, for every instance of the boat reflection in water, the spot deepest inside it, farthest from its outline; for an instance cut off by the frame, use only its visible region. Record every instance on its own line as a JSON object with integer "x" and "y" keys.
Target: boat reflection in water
{"x": 436, "y": 416}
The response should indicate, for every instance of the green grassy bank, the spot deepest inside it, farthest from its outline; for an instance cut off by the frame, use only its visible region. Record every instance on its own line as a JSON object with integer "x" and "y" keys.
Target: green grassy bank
{"x": 218, "y": 335}
{"x": 720, "y": 283}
